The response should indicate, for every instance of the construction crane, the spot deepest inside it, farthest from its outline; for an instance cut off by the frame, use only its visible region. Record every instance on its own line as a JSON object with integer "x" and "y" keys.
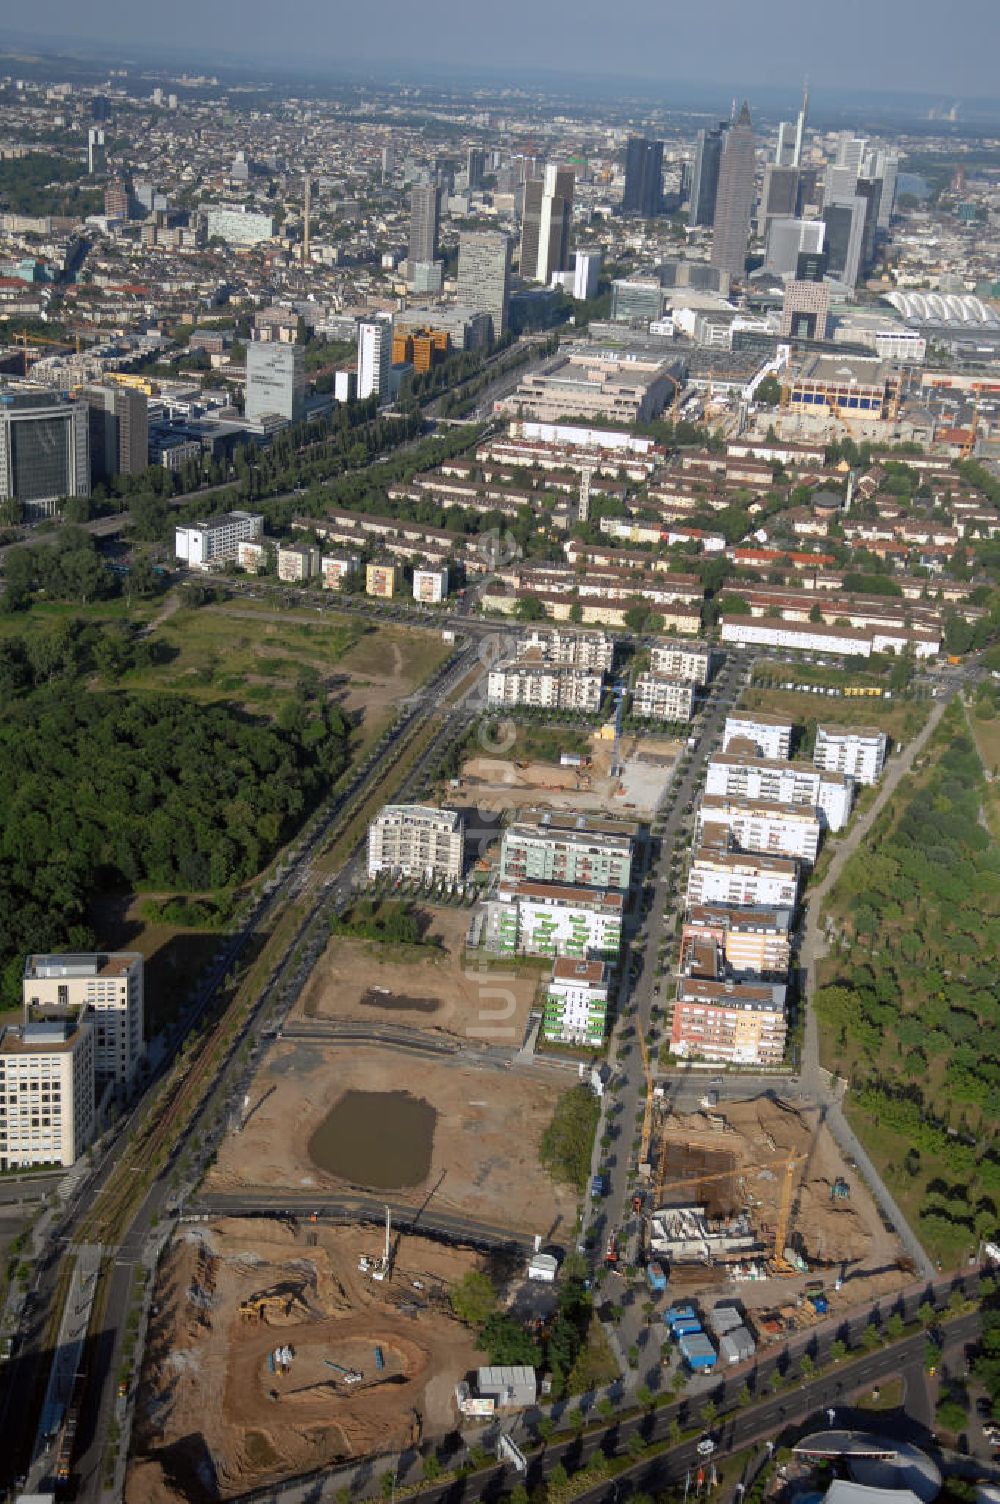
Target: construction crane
{"x": 26, "y": 341}
{"x": 647, "y": 1116}
{"x": 787, "y": 1165}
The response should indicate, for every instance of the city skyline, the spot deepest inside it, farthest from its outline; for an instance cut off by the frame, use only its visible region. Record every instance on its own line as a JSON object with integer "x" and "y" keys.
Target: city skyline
{"x": 771, "y": 46}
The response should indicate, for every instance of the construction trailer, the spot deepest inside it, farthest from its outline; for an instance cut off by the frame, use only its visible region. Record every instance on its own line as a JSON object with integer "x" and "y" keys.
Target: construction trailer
{"x": 697, "y": 1351}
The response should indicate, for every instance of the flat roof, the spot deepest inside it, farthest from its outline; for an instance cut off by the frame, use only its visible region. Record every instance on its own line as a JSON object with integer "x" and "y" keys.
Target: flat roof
{"x": 591, "y": 898}
{"x": 568, "y": 969}
{"x": 81, "y": 964}
{"x": 753, "y": 918}
{"x": 756, "y": 717}
{"x": 773, "y": 764}
{"x": 750, "y": 861}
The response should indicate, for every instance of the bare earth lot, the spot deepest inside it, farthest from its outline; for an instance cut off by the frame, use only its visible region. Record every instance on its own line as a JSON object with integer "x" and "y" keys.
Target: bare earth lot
{"x": 499, "y": 783}
{"x": 832, "y": 1234}
{"x": 419, "y": 987}
{"x": 484, "y": 1159}
{"x": 212, "y": 1420}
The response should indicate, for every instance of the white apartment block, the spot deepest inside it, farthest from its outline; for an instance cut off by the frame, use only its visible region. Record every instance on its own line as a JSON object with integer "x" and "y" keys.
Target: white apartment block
{"x": 298, "y": 563}
{"x": 336, "y": 568}
{"x": 430, "y": 585}
{"x": 110, "y": 983}
{"x": 770, "y": 734}
{"x": 587, "y": 650}
{"x": 729, "y": 877}
{"x": 859, "y": 754}
{"x": 791, "y": 830}
{"x": 546, "y": 686}
{"x": 690, "y": 661}
{"x": 416, "y": 840}
{"x": 576, "y": 1002}
{"x": 736, "y": 775}
{"x": 252, "y": 556}
{"x": 47, "y": 1111}
{"x": 552, "y": 919}
{"x": 657, "y": 699}
{"x": 203, "y": 545}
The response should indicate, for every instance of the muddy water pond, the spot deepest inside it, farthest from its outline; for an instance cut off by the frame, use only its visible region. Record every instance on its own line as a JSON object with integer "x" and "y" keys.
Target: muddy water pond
{"x": 379, "y": 1139}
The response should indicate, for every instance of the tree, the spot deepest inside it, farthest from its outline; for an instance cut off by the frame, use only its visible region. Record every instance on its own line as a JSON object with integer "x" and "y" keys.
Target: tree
{"x": 838, "y": 1350}
{"x": 708, "y": 1413}
{"x": 474, "y": 1298}
{"x": 768, "y": 393}
{"x": 558, "y": 1476}
{"x": 506, "y": 1341}
{"x": 895, "y": 1326}
{"x": 431, "y": 1467}
{"x": 530, "y": 609}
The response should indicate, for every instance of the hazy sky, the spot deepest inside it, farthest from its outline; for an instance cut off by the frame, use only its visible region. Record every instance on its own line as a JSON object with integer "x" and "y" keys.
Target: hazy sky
{"x": 946, "y": 46}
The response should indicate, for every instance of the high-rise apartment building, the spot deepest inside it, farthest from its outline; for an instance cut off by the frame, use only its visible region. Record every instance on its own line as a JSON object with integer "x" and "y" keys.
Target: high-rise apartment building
{"x": 44, "y": 449}
{"x": 374, "y": 357}
{"x": 111, "y": 986}
{"x": 643, "y": 177}
{"x": 216, "y": 540}
{"x": 425, "y": 210}
{"x": 484, "y": 275}
{"x": 119, "y": 430}
{"x": 705, "y": 175}
{"x": 47, "y": 1110}
{"x": 97, "y": 158}
{"x": 734, "y": 203}
{"x": 276, "y": 381}
{"x": 116, "y": 200}
{"x": 546, "y": 224}
{"x": 417, "y": 841}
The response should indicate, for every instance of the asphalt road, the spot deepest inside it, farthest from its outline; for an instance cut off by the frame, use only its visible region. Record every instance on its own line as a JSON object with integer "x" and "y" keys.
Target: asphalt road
{"x": 649, "y": 931}
{"x": 739, "y": 1424}
{"x": 24, "y": 1375}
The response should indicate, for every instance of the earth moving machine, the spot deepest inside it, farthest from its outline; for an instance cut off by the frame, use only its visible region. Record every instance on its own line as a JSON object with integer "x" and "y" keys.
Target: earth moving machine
{"x": 281, "y": 1301}
{"x": 348, "y": 1375}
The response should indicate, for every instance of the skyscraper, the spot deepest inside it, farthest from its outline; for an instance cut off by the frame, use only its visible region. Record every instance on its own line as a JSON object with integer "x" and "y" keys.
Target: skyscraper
{"x": 845, "y": 234}
{"x": 425, "y": 207}
{"x": 96, "y": 155}
{"x": 546, "y": 222}
{"x": 734, "y": 202}
{"x": 705, "y": 177}
{"x": 119, "y": 431}
{"x": 484, "y": 275}
{"x": 374, "y": 357}
{"x": 44, "y": 449}
{"x": 276, "y": 381}
{"x": 643, "y": 177}
{"x": 475, "y": 167}
{"x": 780, "y": 195}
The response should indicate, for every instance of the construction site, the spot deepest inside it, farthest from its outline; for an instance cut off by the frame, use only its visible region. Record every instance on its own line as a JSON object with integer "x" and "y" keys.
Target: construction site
{"x": 755, "y": 1196}
{"x": 276, "y": 1347}
{"x": 430, "y": 987}
{"x": 336, "y": 1118}
{"x": 583, "y": 784}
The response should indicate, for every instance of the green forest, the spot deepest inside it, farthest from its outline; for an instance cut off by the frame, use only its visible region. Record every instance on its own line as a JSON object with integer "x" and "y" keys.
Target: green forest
{"x": 42, "y": 184}
{"x": 101, "y": 789}
{"x": 911, "y": 1006}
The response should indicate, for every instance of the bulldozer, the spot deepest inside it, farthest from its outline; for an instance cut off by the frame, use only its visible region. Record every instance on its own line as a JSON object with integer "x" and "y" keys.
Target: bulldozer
{"x": 282, "y": 1300}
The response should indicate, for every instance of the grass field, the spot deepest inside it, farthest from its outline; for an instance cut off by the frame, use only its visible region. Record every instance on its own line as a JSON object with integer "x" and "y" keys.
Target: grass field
{"x": 902, "y": 719}
{"x": 227, "y": 653}
{"x": 47, "y": 614}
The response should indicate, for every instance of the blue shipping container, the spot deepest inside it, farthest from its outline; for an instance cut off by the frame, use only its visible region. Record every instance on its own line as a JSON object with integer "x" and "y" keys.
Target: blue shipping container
{"x": 655, "y": 1277}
